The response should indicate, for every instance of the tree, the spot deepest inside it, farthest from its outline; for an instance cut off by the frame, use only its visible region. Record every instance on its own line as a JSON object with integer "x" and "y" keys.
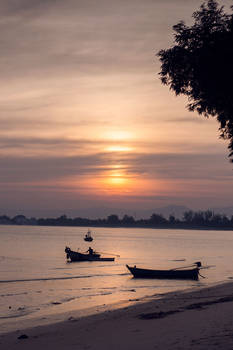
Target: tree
{"x": 199, "y": 65}
{"x": 172, "y": 219}
{"x": 128, "y": 220}
{"x": 208, "y": 215}
{"x": 188, "y": 216}
{"x": 157, "y": 219}
{"x": 113, "y": 219}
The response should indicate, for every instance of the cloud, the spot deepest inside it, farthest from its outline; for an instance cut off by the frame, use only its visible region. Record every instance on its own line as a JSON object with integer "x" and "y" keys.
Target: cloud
{"x": 74, "y": 70}
{"x": 16, "y": 122}
{"x": 167, "y": 166}
{"x": 58, "y": 38}
{"x": 183, "y": 166}
{"x": 192, "y": 119}
{"x": 32, "y": 169}
{"x": 25, "y": 7}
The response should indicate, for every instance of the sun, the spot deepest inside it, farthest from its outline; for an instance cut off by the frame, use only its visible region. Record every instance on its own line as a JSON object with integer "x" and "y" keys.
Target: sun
{"x": 117, "y": 180}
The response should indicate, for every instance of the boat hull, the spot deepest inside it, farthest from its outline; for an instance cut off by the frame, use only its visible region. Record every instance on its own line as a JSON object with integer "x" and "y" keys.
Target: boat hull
{"x": 164, "y": 274}
{"x": 76, "y": 256}
{"x": 88, "y": 239}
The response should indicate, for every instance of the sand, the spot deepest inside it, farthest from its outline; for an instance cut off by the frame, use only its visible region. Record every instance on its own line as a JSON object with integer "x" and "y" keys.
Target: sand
{"x": 197, "y": 319}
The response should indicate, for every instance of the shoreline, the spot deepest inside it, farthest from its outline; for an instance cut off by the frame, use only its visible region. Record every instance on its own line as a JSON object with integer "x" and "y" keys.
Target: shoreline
{"x": 194, "y": 318}
{"x": 174, "y": 227}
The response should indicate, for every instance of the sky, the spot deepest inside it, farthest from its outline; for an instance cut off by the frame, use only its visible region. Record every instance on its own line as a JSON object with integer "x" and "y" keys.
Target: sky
{"x": 85, "y": 121}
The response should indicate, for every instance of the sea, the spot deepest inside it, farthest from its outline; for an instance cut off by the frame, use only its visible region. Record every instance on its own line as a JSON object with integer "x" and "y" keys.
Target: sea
{"x": 37, "y": 284}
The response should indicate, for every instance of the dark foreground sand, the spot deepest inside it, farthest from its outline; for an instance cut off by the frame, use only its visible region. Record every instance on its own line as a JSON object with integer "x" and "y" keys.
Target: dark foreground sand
{"x": 201, "y": 319}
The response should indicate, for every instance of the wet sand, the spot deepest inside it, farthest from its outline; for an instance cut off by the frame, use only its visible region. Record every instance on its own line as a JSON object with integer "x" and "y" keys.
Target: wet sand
{"x": 197, "y": 319}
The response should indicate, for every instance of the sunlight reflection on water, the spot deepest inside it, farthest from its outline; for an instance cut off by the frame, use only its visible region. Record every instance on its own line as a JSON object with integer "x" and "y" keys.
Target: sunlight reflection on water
{"x": 32, "y": 260}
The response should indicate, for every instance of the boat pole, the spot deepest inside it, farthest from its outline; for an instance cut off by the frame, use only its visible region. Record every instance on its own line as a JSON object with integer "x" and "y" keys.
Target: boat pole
{"x": 109, "y": 253}
{"x": 184, "y": 267}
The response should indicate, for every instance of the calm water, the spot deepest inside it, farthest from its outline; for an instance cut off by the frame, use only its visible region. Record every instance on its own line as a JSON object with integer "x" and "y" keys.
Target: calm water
{"x": 36, "y": 280}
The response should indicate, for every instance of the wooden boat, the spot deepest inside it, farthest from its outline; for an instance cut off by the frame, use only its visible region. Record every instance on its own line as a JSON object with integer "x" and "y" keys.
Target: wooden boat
{"x": 179, "y": 273}
{"x": 76, "y": 256}
{"x": 88, "y": 237}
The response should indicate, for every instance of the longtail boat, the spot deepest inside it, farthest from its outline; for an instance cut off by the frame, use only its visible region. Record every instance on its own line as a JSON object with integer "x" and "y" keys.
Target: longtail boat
{"x": 179, "y": 273}
{"x": 88, "y": 237}
{"x": 77, "y": 256}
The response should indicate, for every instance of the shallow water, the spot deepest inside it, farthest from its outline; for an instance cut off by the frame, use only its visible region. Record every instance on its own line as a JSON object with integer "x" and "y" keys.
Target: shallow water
{"x": 36, "y": 280}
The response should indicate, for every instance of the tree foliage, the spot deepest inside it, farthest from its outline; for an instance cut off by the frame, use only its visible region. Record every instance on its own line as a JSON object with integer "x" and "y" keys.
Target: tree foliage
{"x": 191, "y": 219}
{"x": 200, "y": 65}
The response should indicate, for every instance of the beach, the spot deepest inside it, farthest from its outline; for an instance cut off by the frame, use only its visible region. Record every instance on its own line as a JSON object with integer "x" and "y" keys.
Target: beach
{"x": 192, "y": 319}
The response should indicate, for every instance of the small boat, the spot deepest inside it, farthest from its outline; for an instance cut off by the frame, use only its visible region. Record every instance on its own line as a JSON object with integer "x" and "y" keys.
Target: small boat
{"x": 88, "y": 237}
{"x": 179, "y": 273}
{"x": 76, "y": 256}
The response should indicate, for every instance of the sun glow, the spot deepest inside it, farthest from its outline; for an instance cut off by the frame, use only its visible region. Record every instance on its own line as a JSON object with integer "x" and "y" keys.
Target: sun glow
{"x": 118, "y": 149}
{"x": 117, "y": 180}
{"x": 118, "y": 135}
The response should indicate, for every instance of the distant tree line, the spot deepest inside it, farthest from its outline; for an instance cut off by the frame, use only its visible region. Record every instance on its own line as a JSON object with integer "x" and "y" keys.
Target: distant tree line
{"x": 190, "y": 219}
